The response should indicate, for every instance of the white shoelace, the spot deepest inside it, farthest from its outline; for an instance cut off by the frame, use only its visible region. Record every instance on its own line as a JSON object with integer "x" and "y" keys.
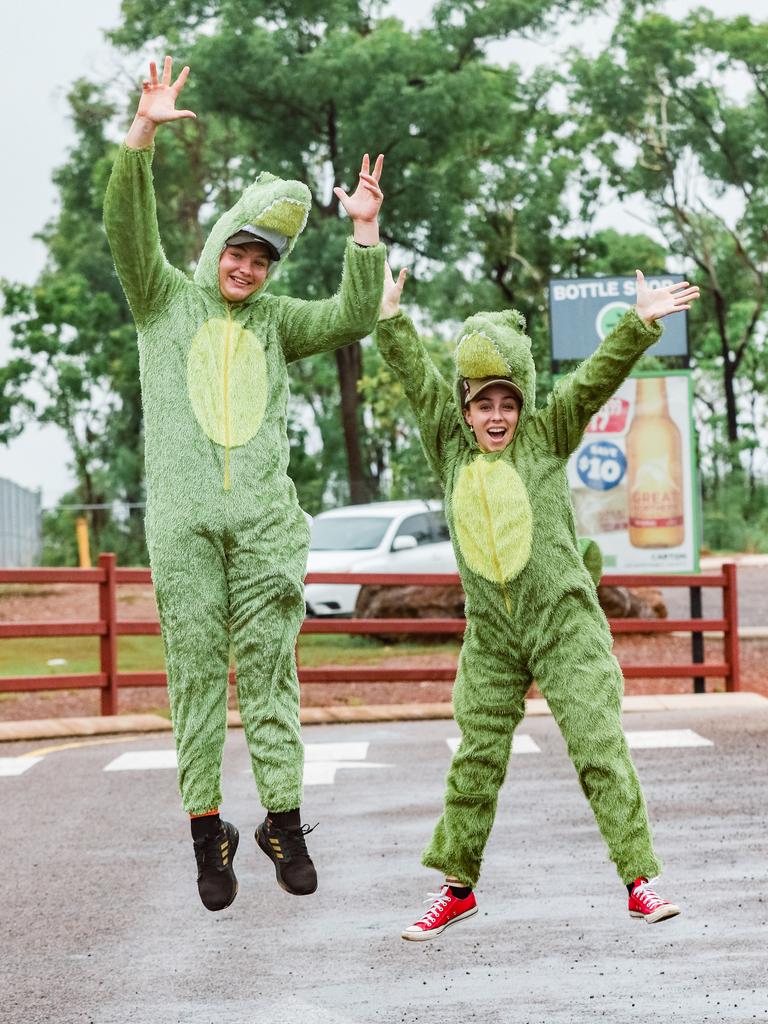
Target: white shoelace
{"x": 651, "y": 898}
{"x": 439, "y": 901}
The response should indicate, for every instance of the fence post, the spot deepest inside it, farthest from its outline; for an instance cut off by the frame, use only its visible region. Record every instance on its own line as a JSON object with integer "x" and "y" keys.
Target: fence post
{"x": 108, "y": 641}
{"x": 731, "y": 615}
{"x": 697, "y": 639}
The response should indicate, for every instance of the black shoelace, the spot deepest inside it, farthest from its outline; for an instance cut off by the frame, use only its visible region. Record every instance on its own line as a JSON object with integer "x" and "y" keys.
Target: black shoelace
{"x": 208, "y": 851}
{"x": 294, "y": 844}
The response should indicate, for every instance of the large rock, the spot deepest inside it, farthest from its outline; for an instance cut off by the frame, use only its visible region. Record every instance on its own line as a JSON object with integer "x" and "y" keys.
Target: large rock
{"x": 638, "y": 603}
{"x": 414, "y": 602}
{"x": 418, "y": 602}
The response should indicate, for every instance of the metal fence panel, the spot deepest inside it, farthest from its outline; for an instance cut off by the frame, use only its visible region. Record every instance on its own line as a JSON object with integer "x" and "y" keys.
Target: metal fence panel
{"x": 20, "y": 526}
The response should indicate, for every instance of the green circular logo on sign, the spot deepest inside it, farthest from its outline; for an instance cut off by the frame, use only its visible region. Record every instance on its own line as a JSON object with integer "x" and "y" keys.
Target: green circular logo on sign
{"x": 609, "y": 316}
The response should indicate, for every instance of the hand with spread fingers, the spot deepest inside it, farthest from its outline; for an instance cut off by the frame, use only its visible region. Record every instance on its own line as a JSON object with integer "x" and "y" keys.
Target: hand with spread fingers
{"x": 655, "y": 303}
{"x": 393, "y": 289}
{"x": 365, "y": 202}
{"x": 157, "y": 104}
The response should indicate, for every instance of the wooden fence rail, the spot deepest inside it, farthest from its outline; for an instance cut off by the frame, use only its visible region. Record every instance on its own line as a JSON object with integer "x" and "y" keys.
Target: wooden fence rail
{"x": 108, "y": 576}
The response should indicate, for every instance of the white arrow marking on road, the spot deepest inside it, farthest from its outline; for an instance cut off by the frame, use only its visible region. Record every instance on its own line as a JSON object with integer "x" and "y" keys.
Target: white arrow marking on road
{"x": 651, "y": 739}
{"x": 336, "y": 751}
{"x": 521, "y": 744}
{"x": 323, "y": 773}
{"x": 140, "y": 760}
{"x": 322, "y": 761}
{"x": 16, "y": 765}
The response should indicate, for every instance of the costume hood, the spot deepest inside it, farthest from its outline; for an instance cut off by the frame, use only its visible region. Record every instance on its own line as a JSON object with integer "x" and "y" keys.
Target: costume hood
{"x": 270, "y": 202}
{"x": 496, "y": 345}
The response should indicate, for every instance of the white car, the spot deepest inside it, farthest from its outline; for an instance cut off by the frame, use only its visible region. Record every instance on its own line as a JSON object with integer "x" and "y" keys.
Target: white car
{"x": 385, "y": 536}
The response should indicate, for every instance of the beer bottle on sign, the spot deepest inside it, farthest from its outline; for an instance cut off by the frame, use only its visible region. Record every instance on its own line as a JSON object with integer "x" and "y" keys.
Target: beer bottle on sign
{"x": 655, "y": 470}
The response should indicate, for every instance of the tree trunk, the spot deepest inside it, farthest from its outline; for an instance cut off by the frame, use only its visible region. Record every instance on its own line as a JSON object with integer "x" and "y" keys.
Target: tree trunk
{"x": 731, "y": 409}
{"x": 349, "y": 363}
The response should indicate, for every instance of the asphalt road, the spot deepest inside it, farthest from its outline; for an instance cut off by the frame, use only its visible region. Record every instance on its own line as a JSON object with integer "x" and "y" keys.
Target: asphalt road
{"x": 101, "y": 921}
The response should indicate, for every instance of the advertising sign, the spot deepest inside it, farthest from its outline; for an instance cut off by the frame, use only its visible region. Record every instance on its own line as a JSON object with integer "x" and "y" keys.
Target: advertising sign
{"x": 583, "y": 310}
{"x": 633, "y": 478}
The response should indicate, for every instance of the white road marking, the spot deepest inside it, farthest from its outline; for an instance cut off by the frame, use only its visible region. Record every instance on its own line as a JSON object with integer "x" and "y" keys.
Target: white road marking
{"x": 323, "y": 773}
{"x": 524, "y": 744}
{"x": 323, "y": 760}
{"x": 141, "y": 760}
{"x": 16, "y": 765}
{"x": 297, "y": 1009}
{"x": 521, "y": 744}
{"x": 651, "y": 739}
{"x": 335, "y": 751}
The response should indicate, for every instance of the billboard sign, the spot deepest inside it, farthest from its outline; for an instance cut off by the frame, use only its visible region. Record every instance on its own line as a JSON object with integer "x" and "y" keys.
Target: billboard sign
{"x": 633, "y": 478}
{"x": 583, "y": 310}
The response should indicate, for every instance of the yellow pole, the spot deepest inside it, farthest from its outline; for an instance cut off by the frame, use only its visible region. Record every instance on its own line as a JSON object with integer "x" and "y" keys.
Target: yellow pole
{"x": 83, "y": 547}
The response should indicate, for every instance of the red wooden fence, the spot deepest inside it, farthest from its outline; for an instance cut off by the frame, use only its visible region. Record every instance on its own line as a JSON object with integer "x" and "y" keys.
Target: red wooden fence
{"x": 108, "y": 576}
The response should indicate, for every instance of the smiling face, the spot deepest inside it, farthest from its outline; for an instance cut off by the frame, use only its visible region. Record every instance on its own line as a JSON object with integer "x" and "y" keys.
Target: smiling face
{"x": 243, "y": 270}
{"x": 493, "y": 417}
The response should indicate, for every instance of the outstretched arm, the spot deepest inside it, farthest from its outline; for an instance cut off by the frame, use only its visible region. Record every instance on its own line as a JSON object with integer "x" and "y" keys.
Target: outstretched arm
{"x": 130, "y": 214}
{"x": 311, "y": 327}
{"x": 427, "y": 391}
{"x": 582, "y": 393}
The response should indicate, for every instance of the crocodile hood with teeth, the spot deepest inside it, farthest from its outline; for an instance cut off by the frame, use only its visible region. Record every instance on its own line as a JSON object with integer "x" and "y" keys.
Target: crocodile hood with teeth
{"x": 273, "y": 203}
{"x": 496, "y": 345}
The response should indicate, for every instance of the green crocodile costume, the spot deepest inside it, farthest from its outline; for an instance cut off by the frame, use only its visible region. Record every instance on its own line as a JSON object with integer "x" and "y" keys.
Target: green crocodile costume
{"x": 531, "y": 604}
{"x": 227, "y": 539}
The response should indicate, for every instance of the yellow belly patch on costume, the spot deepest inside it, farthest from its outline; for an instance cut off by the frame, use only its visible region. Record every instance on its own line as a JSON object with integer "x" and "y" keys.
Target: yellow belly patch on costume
{"x": 493, "y": 519}
{"x": 227, "y": 381}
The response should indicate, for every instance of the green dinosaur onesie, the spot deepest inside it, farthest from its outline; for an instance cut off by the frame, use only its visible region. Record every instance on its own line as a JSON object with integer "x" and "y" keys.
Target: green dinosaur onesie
{"x": 227, "y": 540}
{"x": 531, "y": 605}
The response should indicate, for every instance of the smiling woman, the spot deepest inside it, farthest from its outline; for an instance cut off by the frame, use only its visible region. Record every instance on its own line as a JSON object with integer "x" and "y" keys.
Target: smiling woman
{"x": 492, "y": 416}
{"x": 227, "y": 539}
{"x": 243, "y": 269}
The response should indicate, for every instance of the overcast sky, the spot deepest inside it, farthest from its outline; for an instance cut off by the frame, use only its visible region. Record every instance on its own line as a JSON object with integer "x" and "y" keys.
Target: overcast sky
{"x": 47, "y": 44}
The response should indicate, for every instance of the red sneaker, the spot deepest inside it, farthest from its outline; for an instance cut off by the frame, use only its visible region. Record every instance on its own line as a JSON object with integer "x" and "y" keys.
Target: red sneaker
{"x": 644, "y": 902}
{"x": 444, "y": 909}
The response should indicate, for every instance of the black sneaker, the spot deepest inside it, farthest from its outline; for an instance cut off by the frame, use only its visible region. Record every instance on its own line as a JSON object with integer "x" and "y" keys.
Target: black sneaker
{"x": 287, "y": 849}
{"x": 216, "y": 880}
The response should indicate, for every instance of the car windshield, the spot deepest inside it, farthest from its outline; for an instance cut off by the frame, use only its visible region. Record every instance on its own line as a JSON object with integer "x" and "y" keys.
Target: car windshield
{"x": 348, "y": 533}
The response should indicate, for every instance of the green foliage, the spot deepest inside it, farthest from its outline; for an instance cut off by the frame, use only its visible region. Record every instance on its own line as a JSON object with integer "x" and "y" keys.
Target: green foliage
{"x": 736, "y": 516}
{"x": 59, "y": 539}
{"x": 655, "y": 111}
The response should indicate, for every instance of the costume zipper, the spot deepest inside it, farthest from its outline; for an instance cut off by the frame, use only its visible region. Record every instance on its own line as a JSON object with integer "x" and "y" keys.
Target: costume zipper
{"x": 494, "y": 553}
{"x": 227, "y": 433}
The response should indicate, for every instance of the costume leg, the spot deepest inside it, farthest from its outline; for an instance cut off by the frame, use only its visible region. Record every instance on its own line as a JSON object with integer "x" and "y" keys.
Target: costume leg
{"x": 267, "y": 611}
{"x": 190, "y": 587}
{"x": 582, "y": 683}
{"x": 489, "y": 702}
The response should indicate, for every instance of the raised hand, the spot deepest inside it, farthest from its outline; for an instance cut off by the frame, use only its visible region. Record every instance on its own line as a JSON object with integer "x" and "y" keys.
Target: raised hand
{"x": 157, "y": 104}
{"x": 365, "y": 202}
{"x": 390, "y": 300}
{"x": 655, "y": 303}
{"x": 158, "y": 96}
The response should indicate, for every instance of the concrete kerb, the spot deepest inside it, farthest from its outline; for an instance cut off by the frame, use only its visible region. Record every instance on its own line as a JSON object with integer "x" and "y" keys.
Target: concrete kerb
{"x": 56, "y": 728}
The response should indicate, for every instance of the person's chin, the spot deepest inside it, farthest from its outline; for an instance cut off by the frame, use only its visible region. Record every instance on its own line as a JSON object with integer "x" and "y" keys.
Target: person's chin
{"x": 234, "y": 294}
